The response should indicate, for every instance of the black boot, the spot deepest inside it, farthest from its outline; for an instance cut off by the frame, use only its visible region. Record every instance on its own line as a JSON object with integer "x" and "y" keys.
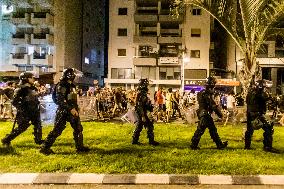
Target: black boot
{"x": 83, "y": 149}
{"x": 222, "y": 145}
{"x": 6, "y": 142}
{"x": 46, "y": 151}
{"x": 154, "y": 143}
{"x": 271, "y": 149}
{"x": 194, "y": 147}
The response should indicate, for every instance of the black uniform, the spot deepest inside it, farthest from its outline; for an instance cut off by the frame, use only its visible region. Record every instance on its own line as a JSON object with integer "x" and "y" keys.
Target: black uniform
{"x": 256, "y": 109}
{"x": 27, "y": 105}
{"x": 142, "y": 106}
{"x": 206, "y": 106}
{"x": 66, "y": 100}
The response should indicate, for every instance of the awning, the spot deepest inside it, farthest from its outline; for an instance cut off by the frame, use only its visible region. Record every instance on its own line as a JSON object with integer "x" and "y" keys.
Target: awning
{"x": 227, "y": 82}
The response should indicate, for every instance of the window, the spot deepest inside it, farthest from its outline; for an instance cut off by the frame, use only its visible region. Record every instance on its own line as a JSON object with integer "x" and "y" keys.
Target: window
{"x": 196, "y": 11}
{"x": 122, "y": 32}
{"x": 145, "y": 72}
{"x": 25, "y": 68}
{"x": 122, "y": 11}
{"x": 121, "y": 73}
{"x": 195, "y": 32}
{"x": 121, "y": 52}
{"x": 169, "y": 73}
{"x": 145, "y": 50}
{"x": 195, "y": 54}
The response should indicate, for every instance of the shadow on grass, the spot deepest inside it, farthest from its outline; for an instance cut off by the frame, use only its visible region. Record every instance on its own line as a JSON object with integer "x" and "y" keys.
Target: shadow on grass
{"x": 7, "y": 151}
{"x": 125, "y": 150}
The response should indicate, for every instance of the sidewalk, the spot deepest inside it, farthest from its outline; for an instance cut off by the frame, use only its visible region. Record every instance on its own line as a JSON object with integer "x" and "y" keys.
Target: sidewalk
{"x": 158, "y": 179}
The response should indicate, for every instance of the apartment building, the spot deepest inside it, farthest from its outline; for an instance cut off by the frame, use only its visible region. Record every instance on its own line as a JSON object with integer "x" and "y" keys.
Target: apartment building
{"x": 31, "y": 46}
{"x": 48, "y": 36}
{"x": 145, "y": 41}
{"x": 94, "y": 41}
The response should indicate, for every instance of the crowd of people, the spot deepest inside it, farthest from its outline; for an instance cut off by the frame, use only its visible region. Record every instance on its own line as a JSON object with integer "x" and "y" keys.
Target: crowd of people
{"x": 136, "y": 106}
{"x": 7, "y": 89}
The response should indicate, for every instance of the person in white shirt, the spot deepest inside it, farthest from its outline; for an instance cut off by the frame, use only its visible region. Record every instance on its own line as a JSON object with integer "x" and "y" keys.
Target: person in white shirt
{"x": 231, "y": 104}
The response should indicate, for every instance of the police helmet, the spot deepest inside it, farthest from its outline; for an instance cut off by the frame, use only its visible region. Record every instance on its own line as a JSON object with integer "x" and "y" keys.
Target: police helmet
{"x": 24, "y": 76}
{"x": 69, "y": 74}
{"x": 143, "y": 84}
{"x": 210, "y": 81}
{"x": 260, "y": 84}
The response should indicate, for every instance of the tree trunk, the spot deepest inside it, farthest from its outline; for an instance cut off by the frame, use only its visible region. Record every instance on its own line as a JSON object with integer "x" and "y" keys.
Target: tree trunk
{"x": 248, "y": 75}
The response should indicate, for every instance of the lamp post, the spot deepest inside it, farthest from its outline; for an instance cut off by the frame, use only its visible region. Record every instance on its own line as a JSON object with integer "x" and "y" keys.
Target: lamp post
{"x": 184, "y": 60}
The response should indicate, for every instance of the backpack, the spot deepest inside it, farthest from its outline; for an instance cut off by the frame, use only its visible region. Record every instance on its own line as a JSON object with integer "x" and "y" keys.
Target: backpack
{"x": 54, "y": 95}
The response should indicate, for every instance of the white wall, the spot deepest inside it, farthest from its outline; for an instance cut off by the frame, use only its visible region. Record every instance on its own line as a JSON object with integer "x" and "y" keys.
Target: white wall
{"x": 197, "y": 43}
{"x": 124, "y": 42}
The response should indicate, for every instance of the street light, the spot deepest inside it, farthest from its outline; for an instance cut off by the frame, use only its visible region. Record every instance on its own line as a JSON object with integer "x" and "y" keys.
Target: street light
{"x": 185, "y": 60}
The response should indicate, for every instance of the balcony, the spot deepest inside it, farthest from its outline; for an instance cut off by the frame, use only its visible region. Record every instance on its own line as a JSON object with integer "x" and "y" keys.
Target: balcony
{"x": 168, "y": 40}
{"x": 144, "y": 61}
{"x": 42, "y": 60}
{"x": 170, "y": 32}
{"x": 145, "y": 40}
{"x": 43, "y": 3}
{"x": 20, "y": 39}
{"x": 169, "y": 18}
{"x": 19, "y": 59}
{"x": 41, "y": 18}
{"x": 41, "y": 39}
{"x": 21, "y": 18}
{"x": 145, "y": 18}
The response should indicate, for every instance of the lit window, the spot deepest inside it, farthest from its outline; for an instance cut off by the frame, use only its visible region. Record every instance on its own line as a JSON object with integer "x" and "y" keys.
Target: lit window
{"x": 195, "y": 54}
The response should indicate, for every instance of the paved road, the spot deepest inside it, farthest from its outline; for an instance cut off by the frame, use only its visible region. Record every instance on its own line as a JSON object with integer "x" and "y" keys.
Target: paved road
{"x": 139, "y": 187}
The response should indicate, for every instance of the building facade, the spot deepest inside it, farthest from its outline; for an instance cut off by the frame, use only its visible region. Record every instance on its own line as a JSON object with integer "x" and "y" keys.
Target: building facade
{"x": 94, "y": 41}
{"x": 29, "y": 44}
{"x": 270, "y": 58}
{"x": 145, "y": 41}
{"x": 47, "y": 36}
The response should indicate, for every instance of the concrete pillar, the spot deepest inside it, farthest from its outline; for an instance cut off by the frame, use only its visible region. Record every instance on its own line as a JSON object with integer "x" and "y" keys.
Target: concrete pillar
{"x": 274, "y": 80}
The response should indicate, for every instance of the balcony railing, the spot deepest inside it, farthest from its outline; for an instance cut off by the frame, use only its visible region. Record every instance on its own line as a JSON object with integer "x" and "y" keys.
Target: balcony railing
{"x": 169, "y": 18}
{"x": 145, "y": 40}
{"x": 176, "y": 40}
{"x": 19, "y": 58}
{"x": 21, "y": 18}
{"x": 20, "y": 39}
{"x": 42, "y": 60}
{"x": 138, "y": 18}
{"x": 144, "y": 61}
{"x": 42, "y": 19}
{"x": 41, "y": 39}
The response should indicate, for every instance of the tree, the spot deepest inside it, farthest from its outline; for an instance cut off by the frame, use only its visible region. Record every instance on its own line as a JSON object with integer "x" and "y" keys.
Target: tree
{"x": 248, "y": 22}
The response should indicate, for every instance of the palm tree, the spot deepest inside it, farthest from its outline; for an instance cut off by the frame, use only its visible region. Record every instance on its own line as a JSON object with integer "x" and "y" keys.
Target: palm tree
{"x": 248, "y": 22}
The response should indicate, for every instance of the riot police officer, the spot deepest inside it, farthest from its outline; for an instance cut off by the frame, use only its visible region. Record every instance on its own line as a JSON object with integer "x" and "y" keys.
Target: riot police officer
{"x": 206, "y": 106}
{"x": 256, "y": 108}
{"x": 142, "y": 106}
{"x": 66, "y": 98}
{"x": 27, "y": 104}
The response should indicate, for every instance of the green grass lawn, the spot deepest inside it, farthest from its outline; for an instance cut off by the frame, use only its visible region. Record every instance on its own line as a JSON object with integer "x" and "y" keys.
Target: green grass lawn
{"x": 112, "y": 152}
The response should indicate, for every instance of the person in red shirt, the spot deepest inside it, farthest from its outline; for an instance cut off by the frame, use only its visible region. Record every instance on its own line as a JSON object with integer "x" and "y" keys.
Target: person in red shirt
{"x": 160, "y": 100}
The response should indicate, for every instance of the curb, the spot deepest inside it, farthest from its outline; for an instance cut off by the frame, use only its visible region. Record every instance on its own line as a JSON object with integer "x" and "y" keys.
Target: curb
{"x": 158, "y": 179}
